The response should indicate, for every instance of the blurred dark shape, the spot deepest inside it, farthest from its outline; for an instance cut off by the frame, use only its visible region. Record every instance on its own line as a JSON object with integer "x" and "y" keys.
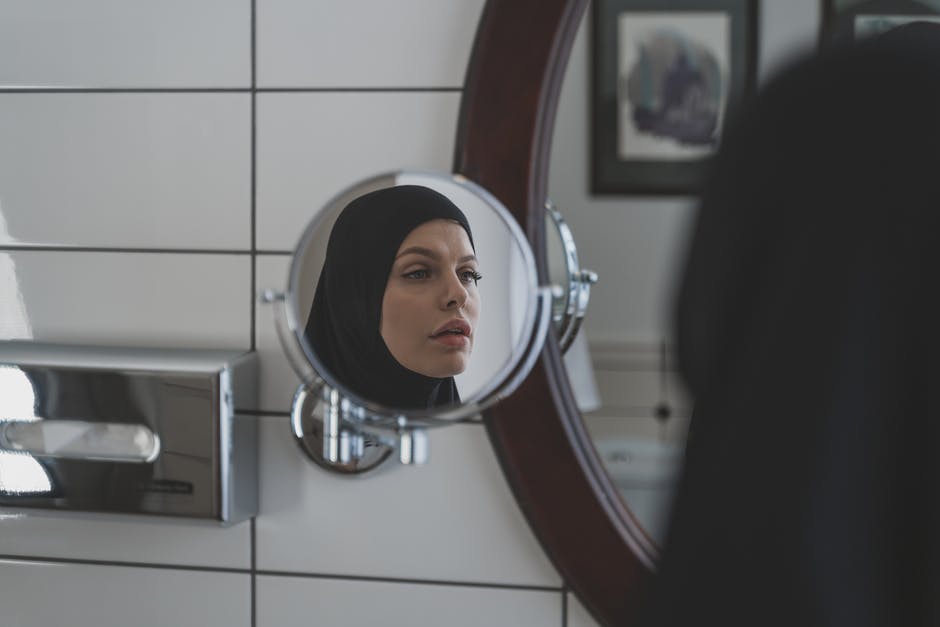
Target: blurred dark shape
{"x": 807, "y": 333}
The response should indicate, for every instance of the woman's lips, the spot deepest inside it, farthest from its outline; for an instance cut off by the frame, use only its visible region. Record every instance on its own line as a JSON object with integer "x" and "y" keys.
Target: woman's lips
{"x": 454, "y": 332}
{"x": 452, "y": 339}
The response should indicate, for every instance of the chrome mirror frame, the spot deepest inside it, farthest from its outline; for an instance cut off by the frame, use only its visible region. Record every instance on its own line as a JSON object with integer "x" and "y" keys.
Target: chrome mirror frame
{"x": 343, "y": 432}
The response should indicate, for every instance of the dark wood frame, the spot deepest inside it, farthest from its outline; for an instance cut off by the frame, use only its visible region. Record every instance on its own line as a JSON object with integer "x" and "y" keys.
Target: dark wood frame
{"x": 503, "y": 139}
{"x": 609, "y": 173}
{"x": 836, "y": 27}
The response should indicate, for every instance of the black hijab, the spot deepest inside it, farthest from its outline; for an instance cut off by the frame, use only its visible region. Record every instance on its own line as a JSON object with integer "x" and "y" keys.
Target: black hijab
{"x": 344, "y": 323}
{"x": 807, "y": 331}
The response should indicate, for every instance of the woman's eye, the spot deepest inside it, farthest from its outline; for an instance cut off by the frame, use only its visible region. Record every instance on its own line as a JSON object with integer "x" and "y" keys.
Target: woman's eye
{"x": 470, "y": 276}
{"x": 417, "y": 274}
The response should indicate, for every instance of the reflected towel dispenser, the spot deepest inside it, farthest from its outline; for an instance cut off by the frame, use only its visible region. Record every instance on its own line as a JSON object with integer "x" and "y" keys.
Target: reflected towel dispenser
{"x": 121, "y": 430}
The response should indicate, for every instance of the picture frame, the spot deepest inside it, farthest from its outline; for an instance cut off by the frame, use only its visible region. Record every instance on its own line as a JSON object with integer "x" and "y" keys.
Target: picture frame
{"x": 665, "y": 76}
{"x": 843, "y": 21}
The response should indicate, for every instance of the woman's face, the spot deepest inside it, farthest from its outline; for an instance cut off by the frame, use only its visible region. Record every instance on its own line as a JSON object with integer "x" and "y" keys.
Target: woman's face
{"x": 431, "y": 303}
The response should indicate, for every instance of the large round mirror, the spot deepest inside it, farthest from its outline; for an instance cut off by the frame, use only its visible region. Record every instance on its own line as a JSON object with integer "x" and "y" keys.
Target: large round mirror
{"x": 412, "y": 302}
{"x": 639, "y": 422}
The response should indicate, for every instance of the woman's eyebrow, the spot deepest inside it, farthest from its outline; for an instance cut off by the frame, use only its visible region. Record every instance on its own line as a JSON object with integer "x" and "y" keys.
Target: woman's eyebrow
{"x": 419, "y": 250}
{"x": 427, "y": 252}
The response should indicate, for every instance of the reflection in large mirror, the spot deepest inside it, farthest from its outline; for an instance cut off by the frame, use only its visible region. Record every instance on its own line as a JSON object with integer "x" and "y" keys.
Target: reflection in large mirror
{"x": 412, "y": 301}
{"x": 638, "y": 420}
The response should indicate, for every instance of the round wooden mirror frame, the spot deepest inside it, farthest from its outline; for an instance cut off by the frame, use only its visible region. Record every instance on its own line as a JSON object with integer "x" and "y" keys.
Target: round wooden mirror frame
{"x": 503, "y": 140}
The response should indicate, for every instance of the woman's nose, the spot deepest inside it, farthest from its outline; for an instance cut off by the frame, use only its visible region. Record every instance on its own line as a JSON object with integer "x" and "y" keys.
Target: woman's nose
{"x": 456, "y": 294}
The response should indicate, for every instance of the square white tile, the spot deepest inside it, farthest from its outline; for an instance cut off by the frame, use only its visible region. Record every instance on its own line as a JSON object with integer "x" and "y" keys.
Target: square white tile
{"x": 151, "y": 170}
{"x": 453, "y": 519}
{"x": 278, "y": 380}
{"x": 313, "y": 145}
{"x": 577, "y": 615}
{"x": 371, "y": 43}
{"x": 289, "y": 601}
{"x": 132, "y": 43}
{"x": 126, "y": 299}
{"x": 40, "y": 594}
{"x": 127, "y": 538}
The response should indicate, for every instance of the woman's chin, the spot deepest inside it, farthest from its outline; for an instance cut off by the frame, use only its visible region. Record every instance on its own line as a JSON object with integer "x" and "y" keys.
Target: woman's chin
{"x": 442, "y": 368}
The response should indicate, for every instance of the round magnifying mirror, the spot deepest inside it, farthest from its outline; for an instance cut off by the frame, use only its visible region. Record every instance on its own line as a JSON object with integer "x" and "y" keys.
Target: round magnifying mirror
{"x": 412, "y": 302}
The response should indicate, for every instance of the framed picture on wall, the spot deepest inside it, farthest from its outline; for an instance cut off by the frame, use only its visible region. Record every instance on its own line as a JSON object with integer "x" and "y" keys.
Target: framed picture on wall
{"x": 849, "y": 20}
{"x": 665, "y": 75}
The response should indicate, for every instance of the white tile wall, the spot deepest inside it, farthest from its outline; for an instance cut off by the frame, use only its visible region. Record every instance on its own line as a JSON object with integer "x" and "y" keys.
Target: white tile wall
{"x": 292, "y": 601}
{"x": 131, "y": 43}
{"x": 451, "y": 520}
{"x": 313, "y": 145}
{"x": 137, "y": 299}
{"x": 366, "y": 43}
{"x": 146, "y": 540}
{"x": 164, "y": 170}
{"x": 41, "y": 594}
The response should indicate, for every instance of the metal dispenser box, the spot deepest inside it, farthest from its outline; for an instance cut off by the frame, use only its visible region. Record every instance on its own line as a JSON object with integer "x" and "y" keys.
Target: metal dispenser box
{"x": 133, "y": 431}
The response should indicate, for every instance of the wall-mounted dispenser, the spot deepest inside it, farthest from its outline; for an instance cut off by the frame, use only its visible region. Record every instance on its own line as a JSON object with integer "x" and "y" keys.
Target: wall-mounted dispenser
{"x": 147, "y": 431}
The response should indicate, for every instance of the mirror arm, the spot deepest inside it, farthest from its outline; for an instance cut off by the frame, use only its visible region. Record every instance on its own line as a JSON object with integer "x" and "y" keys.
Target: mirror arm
{"x": 579, "y": 282}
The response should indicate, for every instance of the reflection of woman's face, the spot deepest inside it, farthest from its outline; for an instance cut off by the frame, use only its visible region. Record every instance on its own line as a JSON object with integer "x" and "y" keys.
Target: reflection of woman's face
{"x": 431, "y": 303}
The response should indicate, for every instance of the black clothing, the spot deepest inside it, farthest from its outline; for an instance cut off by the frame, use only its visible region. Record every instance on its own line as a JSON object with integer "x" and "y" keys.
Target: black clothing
{"x": 807, "y": 332}
{"x": 344, "y": 323}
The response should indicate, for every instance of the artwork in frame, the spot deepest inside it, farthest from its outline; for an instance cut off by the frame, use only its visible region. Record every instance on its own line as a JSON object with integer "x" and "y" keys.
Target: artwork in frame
{"x": 665, "y": 76}
{"x": 850, "y": 20}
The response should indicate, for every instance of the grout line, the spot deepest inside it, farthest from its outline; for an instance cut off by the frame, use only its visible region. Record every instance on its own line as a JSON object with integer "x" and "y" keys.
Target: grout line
{"x": 564, "y": 606}
{"x": 253, "y": 570}
{"x": 288, "y": 253}
{"x": 402, "y": 580}
{"x": 254, "y": 574}
{"x": 254, "y": 273}
{"x": 252, "y": 304}
{"x": 116, "y": 249}
{"x": 123, "y": 90}
{"x": 223, "y": 90}
{"x": 283, "y": 90}
{"x": 122, "y": 564}
{"x": 253, "y": 142}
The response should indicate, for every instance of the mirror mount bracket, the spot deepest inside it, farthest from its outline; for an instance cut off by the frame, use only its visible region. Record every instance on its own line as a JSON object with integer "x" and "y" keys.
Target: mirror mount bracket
{"x": 322, "y": 427}
{"x": 346, "y": 438}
